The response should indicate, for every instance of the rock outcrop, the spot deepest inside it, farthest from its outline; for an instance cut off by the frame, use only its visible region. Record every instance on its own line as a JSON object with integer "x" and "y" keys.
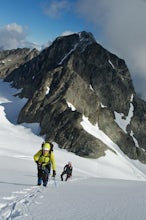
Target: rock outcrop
{"x": 74, "y": 78}
{"x": 12, "y": 59}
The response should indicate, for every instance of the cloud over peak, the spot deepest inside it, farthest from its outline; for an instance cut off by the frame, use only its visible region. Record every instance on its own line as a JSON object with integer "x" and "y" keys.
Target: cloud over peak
{"x": 123, "y": 28}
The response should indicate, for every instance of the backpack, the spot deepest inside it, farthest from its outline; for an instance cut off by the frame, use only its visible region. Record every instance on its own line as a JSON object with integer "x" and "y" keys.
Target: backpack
{"x": 51, "y": 149}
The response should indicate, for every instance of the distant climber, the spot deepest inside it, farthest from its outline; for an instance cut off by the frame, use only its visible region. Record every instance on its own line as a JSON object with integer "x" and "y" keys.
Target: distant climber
{"x": 67, "y": 170}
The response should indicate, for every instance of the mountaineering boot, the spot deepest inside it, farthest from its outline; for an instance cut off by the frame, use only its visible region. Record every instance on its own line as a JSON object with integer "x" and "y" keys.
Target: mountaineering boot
{"x": 45, "y": 184}
{"x": 39, "y": 181}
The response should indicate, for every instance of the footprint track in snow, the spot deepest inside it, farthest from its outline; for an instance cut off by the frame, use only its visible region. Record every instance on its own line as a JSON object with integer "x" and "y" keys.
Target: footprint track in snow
{"x": 18, "y": 204}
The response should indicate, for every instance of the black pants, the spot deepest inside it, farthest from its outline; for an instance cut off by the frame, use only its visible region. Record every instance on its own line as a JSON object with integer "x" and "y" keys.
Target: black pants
{"x": 43, "y": 174}
{"x": 68, "y": 175}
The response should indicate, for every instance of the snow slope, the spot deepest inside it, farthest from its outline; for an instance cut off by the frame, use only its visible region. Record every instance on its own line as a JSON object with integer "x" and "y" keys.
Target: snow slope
{"x": 112, "y": 187}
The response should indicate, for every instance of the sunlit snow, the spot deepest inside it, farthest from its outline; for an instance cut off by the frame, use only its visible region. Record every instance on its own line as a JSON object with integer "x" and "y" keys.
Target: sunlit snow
{"x": 111, "y": 187}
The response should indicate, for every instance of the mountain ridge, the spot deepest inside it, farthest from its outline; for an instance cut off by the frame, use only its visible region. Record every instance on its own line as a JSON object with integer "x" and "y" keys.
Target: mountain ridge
{"x": 76, "y": 69}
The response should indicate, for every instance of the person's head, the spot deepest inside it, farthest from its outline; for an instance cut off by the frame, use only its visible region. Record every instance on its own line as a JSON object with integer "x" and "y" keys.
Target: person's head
{"x": 46, "y": 148}
{"x": 69, "y": 163}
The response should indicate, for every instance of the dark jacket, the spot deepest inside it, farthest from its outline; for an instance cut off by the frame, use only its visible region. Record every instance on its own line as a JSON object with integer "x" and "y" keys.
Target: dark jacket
{"x": 68, "y": 169}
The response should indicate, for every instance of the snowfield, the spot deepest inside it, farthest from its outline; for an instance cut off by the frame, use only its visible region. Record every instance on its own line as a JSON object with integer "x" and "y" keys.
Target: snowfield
{"x": 108, "y": 188}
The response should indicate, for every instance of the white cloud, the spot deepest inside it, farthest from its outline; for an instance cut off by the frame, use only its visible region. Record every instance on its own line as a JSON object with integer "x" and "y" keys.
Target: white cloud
{"x": 11, "y": 36}
{"x": 14, "y": 36}
{"x": 14, "y": 27}
{"x": 56, "y": 8}
{"x": 123, "y": 29}
{"x": 66, "y": 33}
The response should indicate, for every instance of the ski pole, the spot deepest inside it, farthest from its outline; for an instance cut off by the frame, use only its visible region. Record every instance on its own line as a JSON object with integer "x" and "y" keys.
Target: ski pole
{"x": 55, "y": 183}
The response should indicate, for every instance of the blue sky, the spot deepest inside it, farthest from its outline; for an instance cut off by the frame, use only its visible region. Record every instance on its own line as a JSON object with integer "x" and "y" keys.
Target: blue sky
{"x": 42, "y": 20}
{"x": 119, "y": 26}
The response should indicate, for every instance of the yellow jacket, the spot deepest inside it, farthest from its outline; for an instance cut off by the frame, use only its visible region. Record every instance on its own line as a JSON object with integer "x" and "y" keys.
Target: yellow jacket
{"x": 45, "y": 159}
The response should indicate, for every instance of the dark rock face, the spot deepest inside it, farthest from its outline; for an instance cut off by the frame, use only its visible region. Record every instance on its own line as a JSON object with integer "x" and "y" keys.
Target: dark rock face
{"x": 12, "y": 59}
{"x": 77, "y": 70}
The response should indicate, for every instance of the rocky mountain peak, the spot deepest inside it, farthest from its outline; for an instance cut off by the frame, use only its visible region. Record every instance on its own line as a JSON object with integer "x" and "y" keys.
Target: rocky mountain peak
{"x": 76, "y": 78}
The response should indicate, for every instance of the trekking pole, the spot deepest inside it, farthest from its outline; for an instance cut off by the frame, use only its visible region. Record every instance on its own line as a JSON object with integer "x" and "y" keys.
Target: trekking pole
{"x": 55, "y": 183}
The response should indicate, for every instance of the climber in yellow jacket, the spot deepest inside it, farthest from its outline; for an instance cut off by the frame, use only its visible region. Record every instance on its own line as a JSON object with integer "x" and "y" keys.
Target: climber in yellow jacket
{"x": 45, "y": 159}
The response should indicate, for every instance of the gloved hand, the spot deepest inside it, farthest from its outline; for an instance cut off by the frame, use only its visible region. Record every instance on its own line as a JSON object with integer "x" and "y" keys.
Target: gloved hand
{"x": 54, "y": 173}
{"x": 38, "y": 164}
